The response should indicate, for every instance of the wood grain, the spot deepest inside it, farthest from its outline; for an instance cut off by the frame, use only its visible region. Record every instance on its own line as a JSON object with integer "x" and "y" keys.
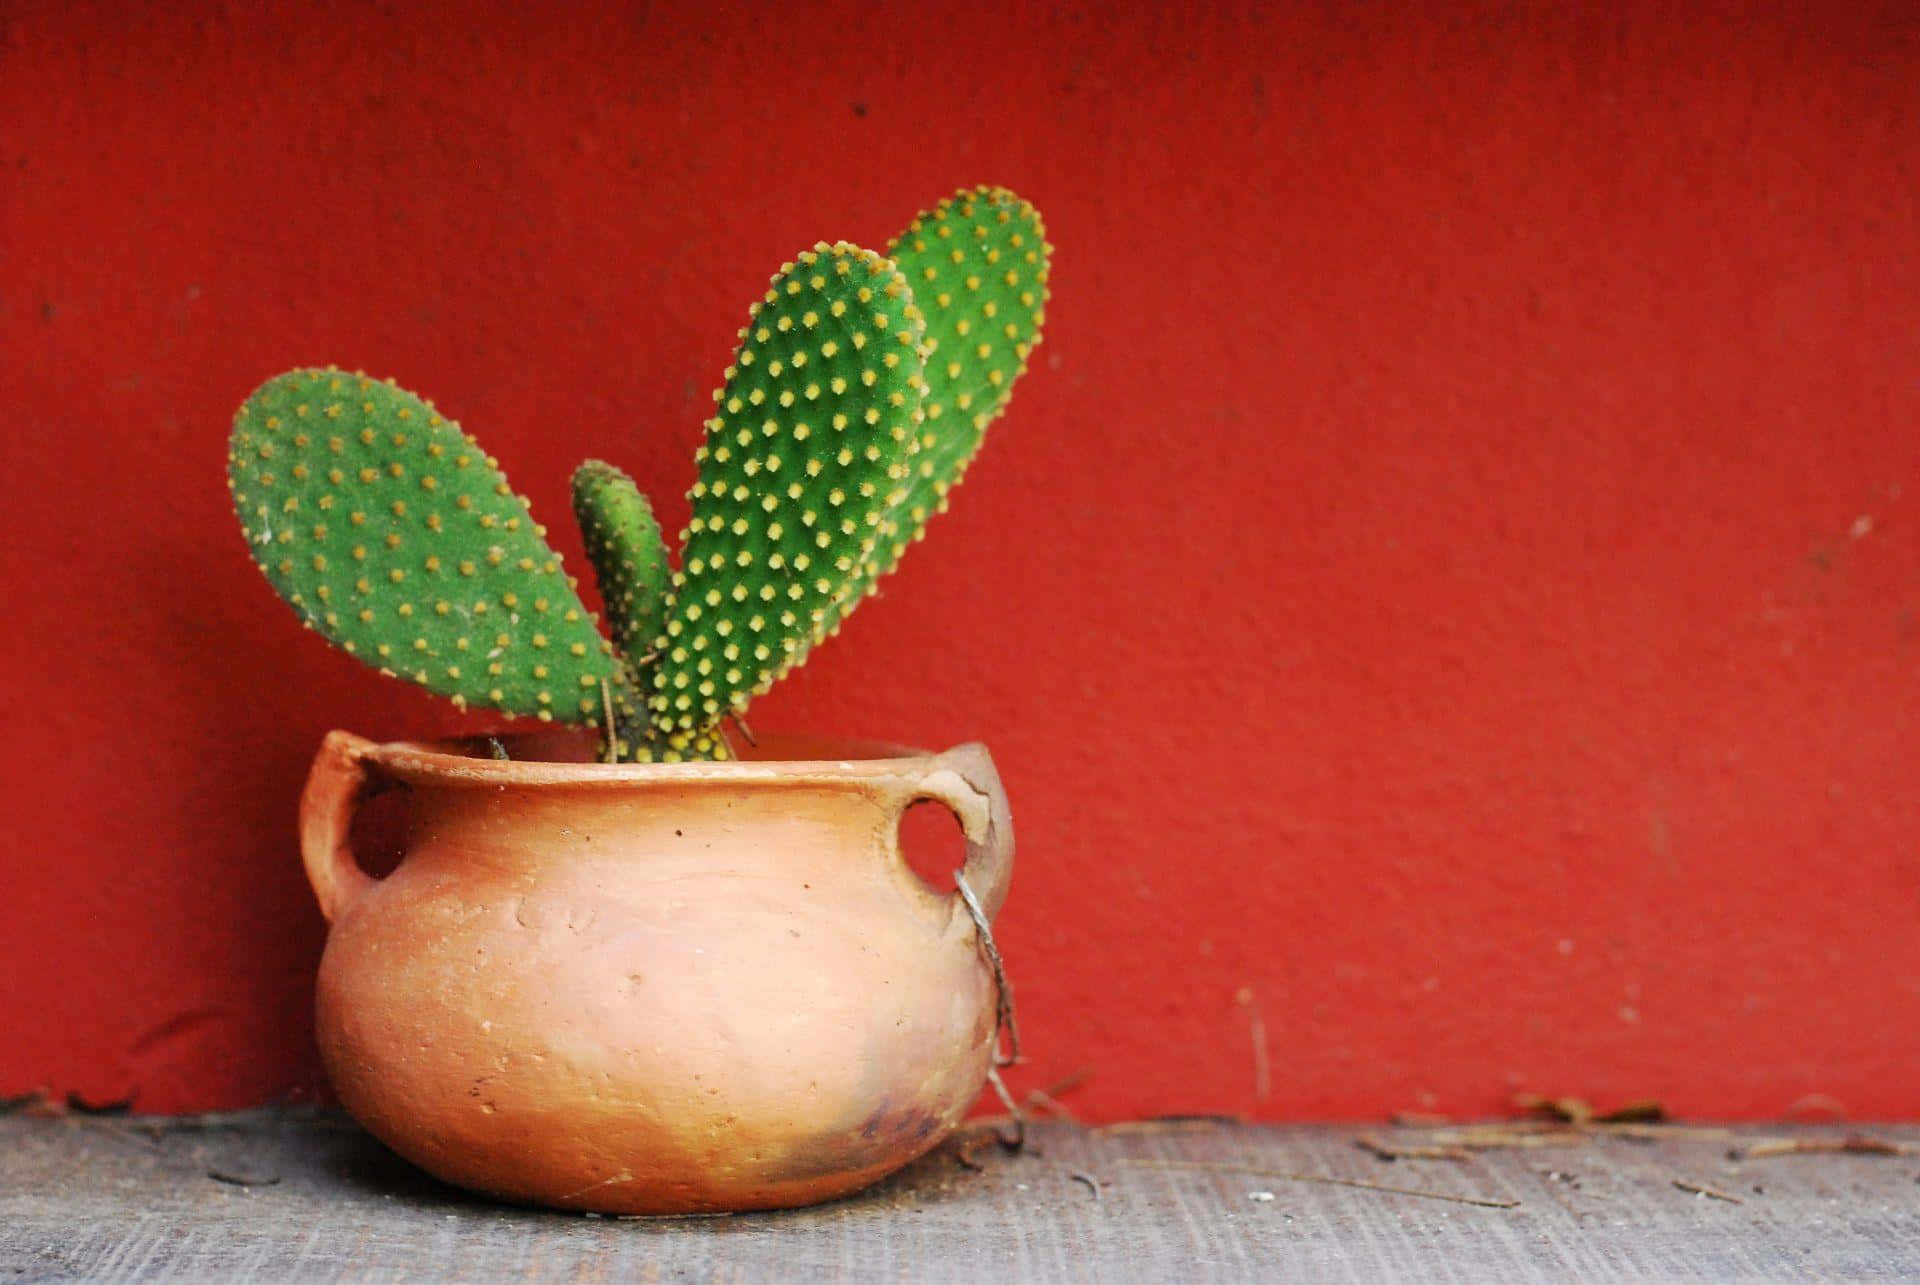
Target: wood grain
{"x": 306, "y": 1196}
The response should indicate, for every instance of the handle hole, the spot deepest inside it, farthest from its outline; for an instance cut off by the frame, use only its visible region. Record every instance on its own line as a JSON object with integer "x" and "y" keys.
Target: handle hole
{"x": 380, "y": 828}
{"x": 933, "y": 843}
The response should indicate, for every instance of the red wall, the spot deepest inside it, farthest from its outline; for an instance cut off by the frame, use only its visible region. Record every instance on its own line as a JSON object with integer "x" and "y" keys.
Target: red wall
{"x": 1450, "y": 585}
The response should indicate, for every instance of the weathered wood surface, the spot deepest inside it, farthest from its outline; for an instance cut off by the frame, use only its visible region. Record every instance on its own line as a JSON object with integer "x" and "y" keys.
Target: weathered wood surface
{"x": 301, "y": 1196}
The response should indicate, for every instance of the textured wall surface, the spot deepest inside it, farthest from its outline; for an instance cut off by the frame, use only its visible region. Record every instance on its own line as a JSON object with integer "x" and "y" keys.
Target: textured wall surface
{"x": 1446, "y": 600}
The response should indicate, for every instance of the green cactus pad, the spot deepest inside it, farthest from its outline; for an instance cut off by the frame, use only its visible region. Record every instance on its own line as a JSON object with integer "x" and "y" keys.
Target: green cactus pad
{"x": 629, "y": 560}
{"x": 978, "y": 265}
{"x": 396, "y": 537}
{"x": 811, "y": 449}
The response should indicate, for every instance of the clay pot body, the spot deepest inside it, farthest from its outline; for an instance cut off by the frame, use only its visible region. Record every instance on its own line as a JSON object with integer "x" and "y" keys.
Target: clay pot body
{"x": 654, "y": 989}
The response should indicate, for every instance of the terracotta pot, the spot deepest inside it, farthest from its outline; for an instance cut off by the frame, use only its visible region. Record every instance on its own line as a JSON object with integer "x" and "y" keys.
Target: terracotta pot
{"x": 654, "y": 989}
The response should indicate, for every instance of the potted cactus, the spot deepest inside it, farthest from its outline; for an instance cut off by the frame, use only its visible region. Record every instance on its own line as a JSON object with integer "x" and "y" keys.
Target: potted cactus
{"x": 668, "y": 980}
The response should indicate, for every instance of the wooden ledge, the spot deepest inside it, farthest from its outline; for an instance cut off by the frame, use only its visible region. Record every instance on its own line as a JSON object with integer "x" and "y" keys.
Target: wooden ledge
{"x": 297, "y": 1195}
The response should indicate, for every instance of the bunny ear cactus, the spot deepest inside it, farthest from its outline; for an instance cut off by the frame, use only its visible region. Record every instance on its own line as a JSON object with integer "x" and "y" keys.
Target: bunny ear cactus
{"x": 803, "y": 463}
{"x": 859, "y": 393}
{"x": 396, "y": 537}
{"x": 977, "y": 263}
{"x": 630, "y": 562}
{"x": 623, "y": 543}
{"x": 972, "y": 282}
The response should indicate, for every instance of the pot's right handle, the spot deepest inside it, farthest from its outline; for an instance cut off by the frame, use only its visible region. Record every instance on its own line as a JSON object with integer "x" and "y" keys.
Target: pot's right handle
{"x": 965, "y": 781}
{"x": 335, "y": 786}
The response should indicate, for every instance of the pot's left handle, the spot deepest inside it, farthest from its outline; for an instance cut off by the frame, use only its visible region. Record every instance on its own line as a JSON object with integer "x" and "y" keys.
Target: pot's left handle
{"x": 335, "y": 786}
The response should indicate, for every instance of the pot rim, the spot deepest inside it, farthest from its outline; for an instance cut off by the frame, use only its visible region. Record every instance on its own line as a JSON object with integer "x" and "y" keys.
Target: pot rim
{"x": 457, "y": 762}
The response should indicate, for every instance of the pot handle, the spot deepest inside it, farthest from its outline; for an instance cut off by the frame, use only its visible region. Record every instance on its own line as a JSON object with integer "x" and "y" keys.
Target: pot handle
{"x": 964, "y": 780}
{"x": 335, "y": 785}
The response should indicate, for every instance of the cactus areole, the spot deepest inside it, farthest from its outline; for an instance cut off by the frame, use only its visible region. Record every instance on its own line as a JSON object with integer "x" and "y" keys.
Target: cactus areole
{"x": 862, "y": 386}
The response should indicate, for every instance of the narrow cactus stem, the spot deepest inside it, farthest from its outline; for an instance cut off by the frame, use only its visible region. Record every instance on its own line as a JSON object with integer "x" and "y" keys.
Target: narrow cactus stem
{"x": 809, "y": 451}
{"x": 389, "y": 531}
{"x": 629, "y": 561}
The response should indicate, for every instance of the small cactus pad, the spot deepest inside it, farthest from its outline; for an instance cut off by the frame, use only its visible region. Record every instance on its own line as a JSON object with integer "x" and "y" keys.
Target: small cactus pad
{"x": 391, "y": 533}
{"x": 810, "y": 449}
{"x": 630, "y": 562}
{"x": 978, "y": 266}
